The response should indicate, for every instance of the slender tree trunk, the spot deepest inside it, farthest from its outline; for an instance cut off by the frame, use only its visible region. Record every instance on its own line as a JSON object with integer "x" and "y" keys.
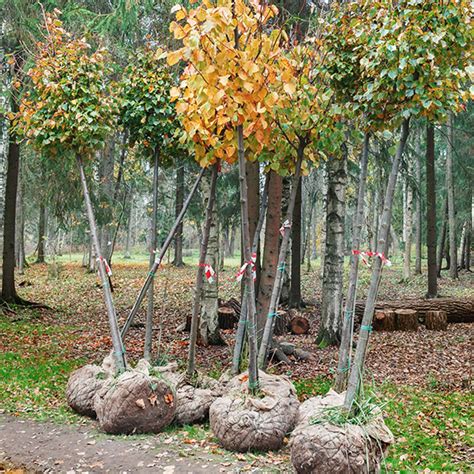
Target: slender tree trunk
{"x": 158, "y": 260}
{"x": 408, "y": 227}
{"x": 453, "y": 270}
{"x": 322, "y": 250}
{"x": 343, "y": 365}
{"x": 442, "y": 240}
{"x": 375, "y": 222}
{"x": 20, "y": 226}
{"x": 153, "y": 243}
{"x": 295, "y": 291}
{"x": 270, "y": 250}
{"x": 252, "y": 170}
{"x": 209, "y": 333}
{"x": 356, "y": 373}
{"x": 330, "y": 328}
{"x": 200, "y": 274}
{"x": 128, "y": 237}
{"x": 418, "y": 218}
{"x": 41, "y": 233}
{"x": 178, "y": 241}
{"x": 277, "y": 285}
{"x": 286, "y": 277}
{"x": 431, "y": 212}
{"x": 119, "y": 350}
{"x": 107, "y": 184}
{"x": 467, "y": 263}
{"x": 243, "y": 319}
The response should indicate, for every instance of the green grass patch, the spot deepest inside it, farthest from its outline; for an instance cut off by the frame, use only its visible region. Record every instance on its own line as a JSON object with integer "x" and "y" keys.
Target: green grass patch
{"x": 34, "y": 369}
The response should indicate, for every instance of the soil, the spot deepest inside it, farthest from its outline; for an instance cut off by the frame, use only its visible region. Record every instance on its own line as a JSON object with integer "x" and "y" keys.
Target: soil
{"x": 32, "y": 447}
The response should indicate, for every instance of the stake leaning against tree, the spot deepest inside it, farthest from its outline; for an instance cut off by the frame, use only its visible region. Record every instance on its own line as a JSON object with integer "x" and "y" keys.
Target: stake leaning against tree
{"x": 277, "y": 285}
{"x": 153, "y": 243}
{"x": 200, "y": 273}
{"x": 348, "y": 314}
{"x": 117, "y": 343}
{"x": 240, "y": 334}
{"x": 356, "y": 373}
{"x": 156, "y": 264}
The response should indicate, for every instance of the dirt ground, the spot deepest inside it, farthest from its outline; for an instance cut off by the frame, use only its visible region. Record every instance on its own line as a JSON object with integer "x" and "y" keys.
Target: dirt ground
{"x": 30, "y": 447}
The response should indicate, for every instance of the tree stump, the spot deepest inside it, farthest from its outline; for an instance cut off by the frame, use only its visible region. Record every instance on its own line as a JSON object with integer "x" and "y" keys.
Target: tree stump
{"x": 407, "y": 320}
{"x": 226, "y": 317}
{"x": 436, "y": 320}
{"x": 385, "y": 320}
{"x": 299, "y": 325}
{"x": 281, "y": 323}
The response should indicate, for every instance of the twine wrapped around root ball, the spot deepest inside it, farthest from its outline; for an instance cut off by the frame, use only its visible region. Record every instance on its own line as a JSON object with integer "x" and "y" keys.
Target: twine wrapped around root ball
{"x": 193, "y": 400}
{"x": 243, "y": 422}
{"x": 135, "y": 402}
{"x": 317, "y": 445}
{"x": 85, "y": 382}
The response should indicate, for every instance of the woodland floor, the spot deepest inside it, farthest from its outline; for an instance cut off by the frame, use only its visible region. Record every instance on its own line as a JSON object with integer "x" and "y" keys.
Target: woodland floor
{"x": 423, "y": 379}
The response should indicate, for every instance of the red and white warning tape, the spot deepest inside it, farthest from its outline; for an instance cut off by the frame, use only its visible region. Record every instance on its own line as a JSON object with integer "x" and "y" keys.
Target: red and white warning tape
{"x": 285, "y": 225}
{"x": 108, "y": 270}
{"x": 208, "y": 272}
{"x": 369, "y": 254}
{"x": 251, "y": 262}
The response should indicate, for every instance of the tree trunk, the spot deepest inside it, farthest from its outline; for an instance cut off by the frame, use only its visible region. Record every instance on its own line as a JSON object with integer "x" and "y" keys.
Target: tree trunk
{"x": 331, "y": 304}
{"x": 249, "y": 285}
{"x": 270, "y": 250}
{"x": 252, "y": 170}
{"x": 107, "y": 185}
{"x": 153, "y": 243}
{"x": 209, "y": 333}
{"x": 128, "y": 237}
{"x": 356, "y": 373}
{"x": 20, "y": 226}
{"x": 345, "y": 348}
{"x": 156, "y": 264}
{"x": 9, "y": 217}
{"x": 178, "y": 241}
{"x": 277, "y": 285}
{"x": 322, "y": 249}
{"x": 295, "y": 290}
{"x": 453, "y": 269}
{"x": 41, "y": 233}
{"x": 431, "y": 212}
{"x": 119, "y": 350}
{"x": 442, "y": 240}
{"x": 408, "y": 225}
{"x": 418, "y": 218}
{"x": 243, "y": 316}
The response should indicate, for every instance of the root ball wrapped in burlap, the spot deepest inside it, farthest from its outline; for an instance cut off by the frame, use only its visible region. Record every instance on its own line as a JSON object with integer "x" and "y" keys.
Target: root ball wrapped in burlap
{"x": 193, "y": 401}
{"x": 135, "y": 402}
{"x": 82, "y": 386}
{"x": 320, "y": 446}
{"x": 243, "y": 422}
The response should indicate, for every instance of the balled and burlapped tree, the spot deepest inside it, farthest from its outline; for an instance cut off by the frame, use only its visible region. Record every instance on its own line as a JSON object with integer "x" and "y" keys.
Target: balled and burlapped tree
{"x": 67, "y": 114}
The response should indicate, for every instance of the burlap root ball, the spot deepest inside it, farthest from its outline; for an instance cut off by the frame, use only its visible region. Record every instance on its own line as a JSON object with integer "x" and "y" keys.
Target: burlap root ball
{"x": 135, "y": 402}
{"x": 324, "y": 447}
{"x": 242, "y": 422}
{"x": 193, "y": 401}
{"x": 82, "y": 386}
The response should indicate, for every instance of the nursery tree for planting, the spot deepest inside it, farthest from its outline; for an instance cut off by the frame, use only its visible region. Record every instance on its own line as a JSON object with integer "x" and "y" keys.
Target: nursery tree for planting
{"x": 224, "y": 99}
{"x": 414, "y": 65}
{"x": 150, "y": 119}
{"x": 67, "y": 114}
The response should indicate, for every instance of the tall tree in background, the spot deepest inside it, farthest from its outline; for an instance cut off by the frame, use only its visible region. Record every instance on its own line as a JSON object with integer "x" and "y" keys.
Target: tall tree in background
{"x": 453, "y": 250}
{"x": 431, "y": 212}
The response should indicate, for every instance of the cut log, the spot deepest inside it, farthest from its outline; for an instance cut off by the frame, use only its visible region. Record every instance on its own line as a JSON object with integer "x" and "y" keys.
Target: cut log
{"x": 227, "y": 317}
{"x": 457, "y": 310}
{"x": 299, "y": 325}
{"x": 407, "y": 320}
{"x": 281, "y": 323}
{"x": 385, "y": 320}
{"x": 436, "y": 320}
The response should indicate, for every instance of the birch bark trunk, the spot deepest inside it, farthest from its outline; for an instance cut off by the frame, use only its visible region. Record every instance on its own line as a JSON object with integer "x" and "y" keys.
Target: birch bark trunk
{"x": 453, "y": 269}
